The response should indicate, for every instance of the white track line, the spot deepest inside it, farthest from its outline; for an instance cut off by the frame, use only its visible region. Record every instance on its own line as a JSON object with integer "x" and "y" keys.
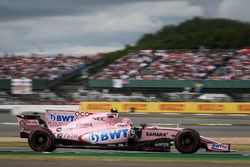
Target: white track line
{"x": 238, "y": 115}
{"x": 160, "y": 124}
{"x": 203, "y": 114}
{"x": 170, "y": 113}
{"x": 138, "y": 113}
{"x": 216, "y": 124}
{"x": 234, "y": 115}
{"x": 9, "y": 123}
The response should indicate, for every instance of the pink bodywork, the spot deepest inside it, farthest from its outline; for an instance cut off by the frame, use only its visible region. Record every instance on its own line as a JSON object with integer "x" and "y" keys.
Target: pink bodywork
{"x": 104, "y": 128}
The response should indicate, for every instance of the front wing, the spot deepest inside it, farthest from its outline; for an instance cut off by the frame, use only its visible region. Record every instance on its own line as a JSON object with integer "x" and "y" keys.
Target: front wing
{"x": 218, "y": 147}
{"x": 212, "y": 145}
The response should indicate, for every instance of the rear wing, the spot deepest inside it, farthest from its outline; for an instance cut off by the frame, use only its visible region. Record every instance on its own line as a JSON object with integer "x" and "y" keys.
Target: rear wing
{"x": 28, "y": 122}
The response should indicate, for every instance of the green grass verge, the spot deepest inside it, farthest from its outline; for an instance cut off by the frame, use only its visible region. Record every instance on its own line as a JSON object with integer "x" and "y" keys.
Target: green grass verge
{"x": 14, "y": 144}
{"x": 240, "y": 147}
{"x": 137, "y": 157}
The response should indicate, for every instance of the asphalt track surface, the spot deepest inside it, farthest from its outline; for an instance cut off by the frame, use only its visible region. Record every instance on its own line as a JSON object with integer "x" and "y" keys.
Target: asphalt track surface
{"x": 60, "y": 163}
{"x": 106, "y": 158}
{"x": 207, "y": 124}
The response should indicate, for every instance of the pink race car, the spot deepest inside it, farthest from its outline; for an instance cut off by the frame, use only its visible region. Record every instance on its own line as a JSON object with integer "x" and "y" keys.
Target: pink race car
{"x": 101, "y": 130}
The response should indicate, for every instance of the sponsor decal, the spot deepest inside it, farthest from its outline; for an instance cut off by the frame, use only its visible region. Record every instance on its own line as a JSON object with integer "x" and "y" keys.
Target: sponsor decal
{"x": 161, "y": 144}
{"x": 216, "y": 146}
{"x": 67, "y": 136}
{"x": 219, "y": 146}
{"x": 98, "y": 106}
{"x": 99, "y": 118}
{"x": 59, "y": 135}
{"x": 157, "y": 134}
{"x": 68, "y": 129}
{"x": 122, "y": 125}
{"x": 135, "y": 106}
{"x": 93, "y": 137}
{"x": 61, "y": 118}
{"x": 70, "y": 136}
{"x": 108, "y": 135}
{"x": 82, "y": 114}
{"x": 84, "y": 125}
{"x": 172, "y": 107}
{"x": 59, "y": 129}
{"x": 28, "y": 125}
{"x": 26, "y": 122}
{"x": 244, "y": 107}
{"x": 211, "y": 107}
{"x": 22, "y": 123}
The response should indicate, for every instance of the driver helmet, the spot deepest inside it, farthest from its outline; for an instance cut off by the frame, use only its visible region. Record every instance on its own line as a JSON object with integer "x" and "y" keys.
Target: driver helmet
{"x": 113, "y": 110}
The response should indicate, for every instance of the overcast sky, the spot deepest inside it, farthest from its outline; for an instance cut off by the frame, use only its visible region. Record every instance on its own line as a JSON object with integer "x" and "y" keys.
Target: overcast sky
{"x": 90, "y": 26}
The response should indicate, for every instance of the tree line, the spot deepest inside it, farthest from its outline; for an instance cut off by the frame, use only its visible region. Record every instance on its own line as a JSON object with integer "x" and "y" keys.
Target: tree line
{"x": 210, "y": 33}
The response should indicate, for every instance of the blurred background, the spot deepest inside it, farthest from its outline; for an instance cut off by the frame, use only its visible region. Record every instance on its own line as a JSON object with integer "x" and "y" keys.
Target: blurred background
{"x": 65, "y": 53}
{"x": 151, "y": 75}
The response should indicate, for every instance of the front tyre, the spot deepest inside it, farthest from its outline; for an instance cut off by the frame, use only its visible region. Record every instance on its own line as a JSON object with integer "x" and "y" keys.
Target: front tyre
{"x": 187, "y": 141}
{"x": 41, "y": 140}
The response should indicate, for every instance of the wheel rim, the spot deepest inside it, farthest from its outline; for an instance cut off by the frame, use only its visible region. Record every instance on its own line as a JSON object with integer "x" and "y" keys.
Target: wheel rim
{"x": 40, "y": 139}
{"x": 187, "y": 140}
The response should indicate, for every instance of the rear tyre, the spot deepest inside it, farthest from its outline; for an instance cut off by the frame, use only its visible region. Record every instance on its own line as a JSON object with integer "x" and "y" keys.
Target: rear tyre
{"x": 42, "y": 140}
{"x": 187, "y": 141}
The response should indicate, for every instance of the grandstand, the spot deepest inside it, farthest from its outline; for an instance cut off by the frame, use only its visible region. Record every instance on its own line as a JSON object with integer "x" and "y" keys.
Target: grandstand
{"x": 162, "y": 70}
{"x": 154, "y": 65}
{"x": 151, "y": 72}
{"x": 236, "y": 68}
{"x": 182, "y": 70}
{"x": 48, "y": 74}
{"x": 40, "y": 67}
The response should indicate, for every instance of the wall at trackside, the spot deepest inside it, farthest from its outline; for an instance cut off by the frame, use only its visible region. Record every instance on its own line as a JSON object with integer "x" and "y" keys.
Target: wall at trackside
{"x": 19, "y": 109}
{"x": 168, "y": 107}
{"x": 232, "y": 84}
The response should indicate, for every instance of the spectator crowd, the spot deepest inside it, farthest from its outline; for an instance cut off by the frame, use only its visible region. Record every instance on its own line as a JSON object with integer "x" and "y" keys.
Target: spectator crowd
{"x": 142, "y": 65}
{"x": 39, "y": 67}
{"x": 237, "y": 68}
{"x": 159, "y": 65}
{"x": 127, "y": 67}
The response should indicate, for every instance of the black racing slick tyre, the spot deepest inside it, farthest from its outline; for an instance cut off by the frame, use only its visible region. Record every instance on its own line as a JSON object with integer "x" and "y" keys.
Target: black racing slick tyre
{"x": 42, "y": 140}
{"x": 187, "y": 141}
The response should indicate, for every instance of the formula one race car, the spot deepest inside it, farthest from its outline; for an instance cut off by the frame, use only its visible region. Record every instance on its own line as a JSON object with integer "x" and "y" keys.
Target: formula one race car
{"x": 98, "y": 130}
